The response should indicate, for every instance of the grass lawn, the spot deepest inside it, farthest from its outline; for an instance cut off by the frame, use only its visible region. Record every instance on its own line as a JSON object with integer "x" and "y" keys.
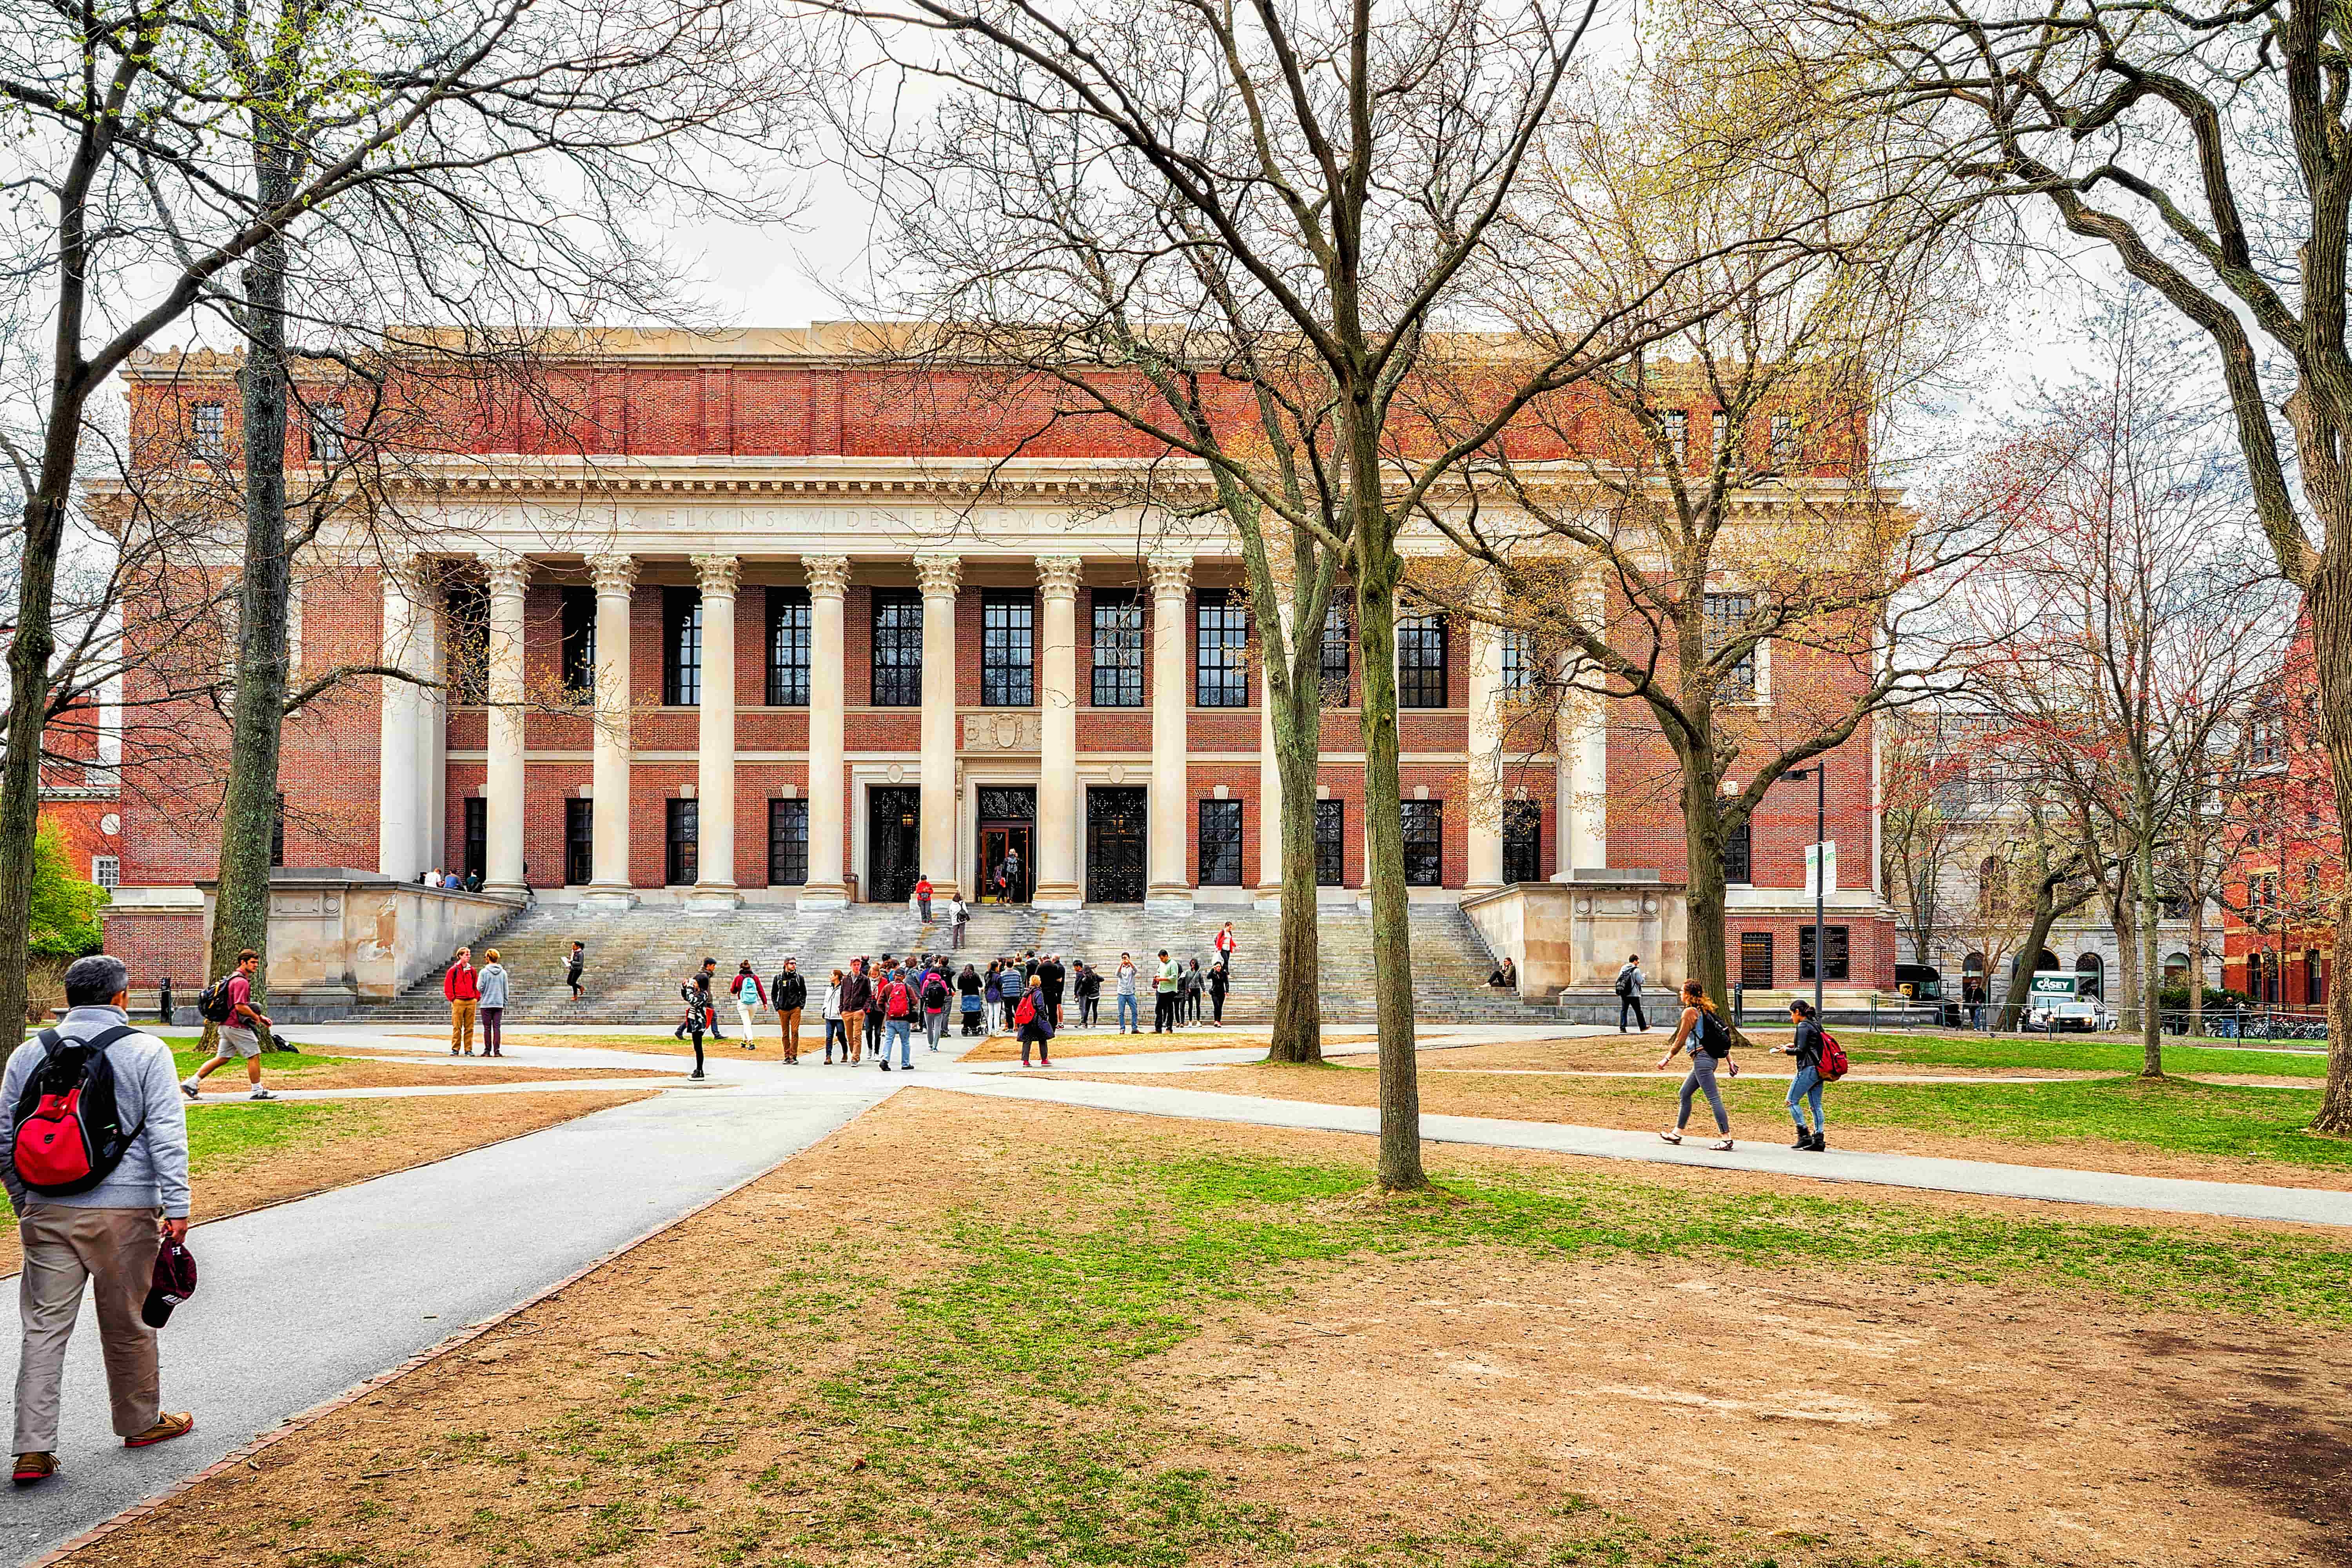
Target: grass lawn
{"x": 1094, "y": 1340}
{"x": 2107, "y": 1053}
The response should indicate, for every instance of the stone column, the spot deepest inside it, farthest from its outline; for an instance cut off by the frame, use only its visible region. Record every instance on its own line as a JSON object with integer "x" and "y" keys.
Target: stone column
{"x": 402, "y": 827}
{"x": 714, "y": 779}
{"x": 616, "y": 577}
{"x": 508, "y": 576}
{"x": 1588, "y": 785}
{"x": 1172, "y": 578}
{"x": 1057, "y": 756}
{"x": 828, "y": 580}
{"x": 1484, "y": 859}
{"x": 940, "y": 576}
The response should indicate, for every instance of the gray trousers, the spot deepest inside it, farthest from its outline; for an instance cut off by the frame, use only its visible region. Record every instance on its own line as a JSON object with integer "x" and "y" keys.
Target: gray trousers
{"x": 1702, "y": 1081}
{"x": 65, "y": 1248}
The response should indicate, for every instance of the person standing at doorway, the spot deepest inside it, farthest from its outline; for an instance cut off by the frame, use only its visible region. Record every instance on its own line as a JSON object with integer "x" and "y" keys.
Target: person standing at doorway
{"x": 464, "y": 998}
{"x": 1629, "y": 994}
{"x": 1225, "y": 945}
{"x": 1166, "y": 986}
{"x": 1131, "y": 1019}
{"x": 1010, "y": 875}
{"x": 923, "y": 899}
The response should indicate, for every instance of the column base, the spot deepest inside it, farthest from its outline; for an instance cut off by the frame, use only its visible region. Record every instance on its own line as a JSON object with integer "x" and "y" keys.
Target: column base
{"x": 712, "y": 901}
{"x": 608, "y": 896}
{"x": 1471, "y": 890}
{"x": 503, "y": 891}
{"x": 1058, "y": 896}
{"x": 1167, "y": 898}
{"x": 833, "y": 896}
{"x": 1268, "y": 897}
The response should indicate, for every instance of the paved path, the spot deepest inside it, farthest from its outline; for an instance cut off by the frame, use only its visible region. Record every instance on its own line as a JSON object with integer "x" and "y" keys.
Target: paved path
{"x": 2235, "y": 1200}
{"x": 359, "y": 1279}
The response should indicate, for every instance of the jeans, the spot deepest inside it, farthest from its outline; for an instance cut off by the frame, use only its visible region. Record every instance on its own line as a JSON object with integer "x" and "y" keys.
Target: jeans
{"x": 1702, "y": 1079}
{"x": 1807, "y": 1087}
{"x": 873, "y": 1028}
{"x": 1130, "y": 1016}
{"x": 1090, "y": 1012}
{"x": 834, "y": 1031}
{"x": 1633, "y": 1005}
{"x": 935, "y": 1026}
{"x": 903, "y": 1031}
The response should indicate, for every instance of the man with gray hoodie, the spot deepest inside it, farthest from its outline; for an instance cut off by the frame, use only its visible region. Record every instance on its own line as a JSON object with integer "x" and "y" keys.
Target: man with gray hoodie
{"x": 105, "y": 1238}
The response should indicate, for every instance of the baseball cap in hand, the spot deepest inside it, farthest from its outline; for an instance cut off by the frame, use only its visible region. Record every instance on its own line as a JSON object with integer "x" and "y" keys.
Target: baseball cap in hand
{"x": 174, "y": 1282}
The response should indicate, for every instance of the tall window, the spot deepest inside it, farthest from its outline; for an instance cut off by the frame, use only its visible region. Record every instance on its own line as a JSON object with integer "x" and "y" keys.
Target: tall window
{"x": 1756, "y": 960}
{"x": 1521, "y": 670}
{"x": 1008, "y": 648}
{"x": 1331, "y": 843}
{"x": 327, "y": 433}
{"x": 1221, "y": 844}
{"x": 788, "y": 648}
{"x": 681, "y": 646}
{"x": 579, "y": 842}
{"x": 1727, "y": 617}
{"x": 208, "y": 431}
{"x": 1721, "y": 433}
{"x": 1119, "y": 648}
{"x": 1523, "y": 841}
{"x": 578, "y": 641}
{"x": 277, "y": 830}
{"x": 1834, "y": 940}
{"x": 683, "y": 858}
{"x": 1335, "y": 651}
{"x": 476, "y": 869}
{"x": 1421, "y": 662}
{"x": 1425, "y": 843}
{"x": 897, "y": 648}
{"x": 470, "y": 641}
{"x": 1678, "y": 428}
{"x": 1784, "y": 439}
{"x": 1222, "y": 667}
{"x": 1738, "y": 861}
{"x": 787, "y": 843}
{"x": 106, "y": 870}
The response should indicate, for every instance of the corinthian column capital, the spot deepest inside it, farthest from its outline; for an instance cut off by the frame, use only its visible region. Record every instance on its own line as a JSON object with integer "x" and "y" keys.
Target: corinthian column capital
{"x": 1058, "y": 575}
{"x": 828, "y": 575}
{"x": 612, "y": 573}
{"x": 1171, "y": 576}
{"x": 941, "y": 575}
{"x": 507, "y": 573}
{"x": 717, "y": 574}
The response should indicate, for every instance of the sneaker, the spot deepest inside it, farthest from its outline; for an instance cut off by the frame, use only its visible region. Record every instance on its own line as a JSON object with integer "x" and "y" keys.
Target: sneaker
{"x": 886, "y": 1067}
{"x": 33, "y": 1468}
{"x": 260, "y": 1094}
{"x": 1671, "y": 1137}
{"x": 696, "y": 1074}
{"x": 189, "y": 1087}
{"x": 166, "y": 1427}
{"x": 1722, "y": 1147}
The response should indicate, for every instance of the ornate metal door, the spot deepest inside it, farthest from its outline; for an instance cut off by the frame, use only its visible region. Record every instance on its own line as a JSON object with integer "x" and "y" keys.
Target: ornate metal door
{"x": 1114, "y": 846}
{"x": 893, "y": 842}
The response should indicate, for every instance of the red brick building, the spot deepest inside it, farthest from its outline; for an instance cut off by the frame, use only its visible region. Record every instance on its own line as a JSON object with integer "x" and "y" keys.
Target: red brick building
{"x": 2287, "y": 872}
{"x": 762, "y": 623}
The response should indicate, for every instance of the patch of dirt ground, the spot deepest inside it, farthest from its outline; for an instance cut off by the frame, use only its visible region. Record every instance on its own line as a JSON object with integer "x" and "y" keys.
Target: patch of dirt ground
{"x": 356, "y": 1140}
{"x": 1650, "y": 1104}
{"x": 738, "y": 1389}
{"x": 1074, "y": 1042}
{"x": 394, "y": 1072}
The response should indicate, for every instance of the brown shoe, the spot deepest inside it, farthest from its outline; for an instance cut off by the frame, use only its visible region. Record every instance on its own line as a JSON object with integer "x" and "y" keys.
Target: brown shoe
{"x": 166, "y": 1428}
{"x": 33, "y": 1468}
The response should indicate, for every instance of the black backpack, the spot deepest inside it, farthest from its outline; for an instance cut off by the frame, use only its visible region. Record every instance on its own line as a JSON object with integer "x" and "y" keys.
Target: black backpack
{"x": 212, "y": 1001}
{"x": 68, "y": 1126}
{"x": 1625, "y": 983}
{"x": 1712, "y": 1037}
{"x": 935, "y": 992}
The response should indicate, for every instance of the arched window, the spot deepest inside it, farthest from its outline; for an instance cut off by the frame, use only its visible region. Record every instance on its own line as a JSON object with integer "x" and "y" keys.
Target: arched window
{"x": 2176, "y": 969}
{"x": 2093, "y": 969}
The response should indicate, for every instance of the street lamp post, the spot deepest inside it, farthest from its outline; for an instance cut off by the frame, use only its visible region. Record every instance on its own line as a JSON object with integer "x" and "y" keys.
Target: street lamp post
{"x": 1819, "y": 772}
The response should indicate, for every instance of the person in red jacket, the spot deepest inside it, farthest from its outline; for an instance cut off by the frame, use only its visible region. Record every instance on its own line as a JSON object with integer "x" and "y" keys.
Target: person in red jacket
{"x": 465, "y": 1001}
{"x": 923, "y": 898}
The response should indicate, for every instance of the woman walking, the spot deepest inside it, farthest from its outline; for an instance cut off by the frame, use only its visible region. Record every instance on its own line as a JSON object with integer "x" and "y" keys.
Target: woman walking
{"x": 1703, "y": 1035}
{"x": 1807, "y": 1087}
{"x": 747, "y": 991}
{"x": 1217, "y": 983}
{"x": 491, "y": 981}
{"x": 832, "y": 1024}
{"x": 572, "y": 966}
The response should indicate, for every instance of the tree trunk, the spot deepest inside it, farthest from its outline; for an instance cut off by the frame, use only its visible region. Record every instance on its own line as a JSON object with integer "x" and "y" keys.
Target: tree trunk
{"x": 249, "y": 813}
{"x": 2020, "y": 983}
{"x": 1707, "y": 961}
{"x": 1376, "y": 578}
{"x": 2197, "y": 961}
{"x": 29, "y": 650}
{"x": 2328, "y": 602}
{"x": 1297, "y": 745}
{"x": 2151, "y": 1015}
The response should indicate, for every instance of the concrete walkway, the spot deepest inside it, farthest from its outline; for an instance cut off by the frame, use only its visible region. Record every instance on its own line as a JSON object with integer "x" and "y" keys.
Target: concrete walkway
{"x": 2233, "y": 1200}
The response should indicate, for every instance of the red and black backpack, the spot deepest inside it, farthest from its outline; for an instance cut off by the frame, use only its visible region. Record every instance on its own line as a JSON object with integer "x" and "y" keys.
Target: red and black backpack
{"x": 69, "y": 1132}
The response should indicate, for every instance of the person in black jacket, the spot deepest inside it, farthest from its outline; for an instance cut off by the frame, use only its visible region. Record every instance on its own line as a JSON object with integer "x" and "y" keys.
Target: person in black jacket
{"x": 1089, "y": 988}
{"x": 856, "y": 1000}
{"x": 572, "y": 966}
{"x": 1050, "y": 978}
{"x": 790, "y": 995}
{"x": 1807, "y": 1085}
{"x": 1217, "y": 982}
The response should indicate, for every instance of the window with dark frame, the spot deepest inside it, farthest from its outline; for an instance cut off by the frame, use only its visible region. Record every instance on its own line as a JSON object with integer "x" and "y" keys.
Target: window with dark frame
{"x": 1008, "y": 648}
{"x": 470, "y": 641}
{"x": 326, "y": 445}
{"x": 788, "y": 844}
{"x": 1425, "y": 843}
{"x": 476, "y": 869}
{"x": 1721, "y": 433}
{"x": 1678, "y": 428}
{"x": 1221, "y": 844}
{"x": 208, "y": 430}
{"x": 1331, "y": 843}
{"x": 897, "y": 648}
{"x": 1786, "y": 447}
{"x": 1421, "y": 662}
{"x": 1834, "y": 940}
{"x": 1338, "y": 651}
{"x": 1220, "y": 676}
{"x": 1117, "y": 649}
{"x": 579, "y": 842}
{"x": 1727, "y": 616}
{"x": 1738, "y": 862}
{"x": 1523, "y": 841}
{"x": 277, "y": 830}
{"x": 788, "y": 648}
{"x": 681, "y": 646}
{"x": 1521, "y": 673}
{"x": 684, "y": 864}
{"x": 1756, "y": 960}
{"x": 578, "y": 640}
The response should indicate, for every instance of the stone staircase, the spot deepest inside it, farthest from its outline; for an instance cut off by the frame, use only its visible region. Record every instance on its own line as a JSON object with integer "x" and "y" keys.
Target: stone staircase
{"x": 636, "y": 958}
